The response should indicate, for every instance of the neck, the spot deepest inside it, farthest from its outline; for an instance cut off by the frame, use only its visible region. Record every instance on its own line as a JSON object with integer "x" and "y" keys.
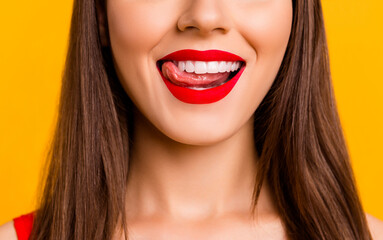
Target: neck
{"x": 168, "y": 178}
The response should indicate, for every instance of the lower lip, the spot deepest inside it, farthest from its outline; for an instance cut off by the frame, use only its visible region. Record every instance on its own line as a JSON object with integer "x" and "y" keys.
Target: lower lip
{"x": 205, "y": 96}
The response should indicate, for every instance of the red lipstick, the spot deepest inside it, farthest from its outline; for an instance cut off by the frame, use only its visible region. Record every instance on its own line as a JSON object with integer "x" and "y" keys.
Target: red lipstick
{"x": 201, "y": 96}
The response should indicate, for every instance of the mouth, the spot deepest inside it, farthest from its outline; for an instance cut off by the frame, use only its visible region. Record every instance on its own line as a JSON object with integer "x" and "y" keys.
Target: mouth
{"x": 200, "y": 77}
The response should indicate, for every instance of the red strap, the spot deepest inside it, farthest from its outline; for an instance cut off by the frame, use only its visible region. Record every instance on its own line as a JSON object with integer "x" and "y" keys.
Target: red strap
{"x": 23, "y": 226}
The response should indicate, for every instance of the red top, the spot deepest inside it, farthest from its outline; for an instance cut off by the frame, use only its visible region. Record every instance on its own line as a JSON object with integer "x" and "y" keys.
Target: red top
{"x": 23, "y": 226}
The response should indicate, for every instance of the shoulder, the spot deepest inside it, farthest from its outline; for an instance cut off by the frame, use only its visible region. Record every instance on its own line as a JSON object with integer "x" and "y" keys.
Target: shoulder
{"x": 18, "y": 229}
{"x": 376, "y": 227}
{"x": 7, "y": 231}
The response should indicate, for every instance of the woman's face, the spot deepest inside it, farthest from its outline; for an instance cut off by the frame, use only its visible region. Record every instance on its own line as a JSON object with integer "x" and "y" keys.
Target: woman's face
{"x": 144, "y": 31}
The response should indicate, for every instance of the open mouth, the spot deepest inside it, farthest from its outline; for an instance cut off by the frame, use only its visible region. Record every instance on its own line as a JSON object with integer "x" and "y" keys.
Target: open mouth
{"x": 199, "y": 75}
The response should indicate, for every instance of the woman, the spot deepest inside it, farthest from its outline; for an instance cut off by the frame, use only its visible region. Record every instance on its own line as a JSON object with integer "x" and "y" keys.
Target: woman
{"x": 202, "y": 119}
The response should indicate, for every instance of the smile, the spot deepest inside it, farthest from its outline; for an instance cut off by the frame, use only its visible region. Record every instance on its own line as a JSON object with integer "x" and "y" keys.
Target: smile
{"x": 200, "y": 77}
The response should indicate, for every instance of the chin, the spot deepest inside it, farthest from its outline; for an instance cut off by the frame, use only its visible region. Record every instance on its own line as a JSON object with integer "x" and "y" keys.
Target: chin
{"x": 199, "y": 134}
{"x": 196, "y": 140}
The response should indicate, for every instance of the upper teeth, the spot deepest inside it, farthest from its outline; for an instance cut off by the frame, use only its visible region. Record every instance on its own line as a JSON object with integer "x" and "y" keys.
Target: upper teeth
{"x": 200, "y": 67}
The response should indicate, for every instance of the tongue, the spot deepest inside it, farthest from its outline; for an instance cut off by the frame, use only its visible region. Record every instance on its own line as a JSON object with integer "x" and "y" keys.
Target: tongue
{"x": 171, "y": 72}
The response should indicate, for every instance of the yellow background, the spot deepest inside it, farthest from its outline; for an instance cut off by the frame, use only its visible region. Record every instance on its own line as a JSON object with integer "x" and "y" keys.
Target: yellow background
{"x": 32, "y": 49}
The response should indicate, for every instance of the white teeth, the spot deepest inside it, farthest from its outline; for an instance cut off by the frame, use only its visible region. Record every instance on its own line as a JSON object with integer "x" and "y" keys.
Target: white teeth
{"x": 181, "y": 66}
{"x": 238, "y": 64}
{"x": 189, "y": 67}
{"x": 200, "y": 67}
{"x": 228, "y": 66}
{"x": 233, "y": 67}
{"x": 222, "y": 67}
{"x": 212, "y": 67}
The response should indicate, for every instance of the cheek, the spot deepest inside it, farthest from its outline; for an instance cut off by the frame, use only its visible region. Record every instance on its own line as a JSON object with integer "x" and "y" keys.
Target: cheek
{"x": 266, "y": 27}
{"x": 136, "y": 26}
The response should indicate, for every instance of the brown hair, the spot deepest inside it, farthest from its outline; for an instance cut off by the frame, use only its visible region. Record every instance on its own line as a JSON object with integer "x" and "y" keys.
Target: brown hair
{"x": 297, "y": 132}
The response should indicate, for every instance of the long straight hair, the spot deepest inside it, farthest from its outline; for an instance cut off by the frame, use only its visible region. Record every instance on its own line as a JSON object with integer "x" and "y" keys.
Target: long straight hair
{"x": 298, "y": 135}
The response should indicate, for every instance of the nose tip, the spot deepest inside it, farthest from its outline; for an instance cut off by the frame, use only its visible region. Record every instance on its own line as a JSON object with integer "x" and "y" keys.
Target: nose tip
{"x": 204, "y": 17}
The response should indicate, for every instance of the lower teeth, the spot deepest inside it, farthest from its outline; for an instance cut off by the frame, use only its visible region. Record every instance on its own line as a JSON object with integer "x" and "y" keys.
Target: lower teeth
{"x": 203, "y": 88}
{"x": 199, "y": 88}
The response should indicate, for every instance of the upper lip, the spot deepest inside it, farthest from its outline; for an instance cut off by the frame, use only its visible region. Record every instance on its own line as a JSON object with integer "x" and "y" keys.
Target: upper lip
{"x": 207, "y": 55}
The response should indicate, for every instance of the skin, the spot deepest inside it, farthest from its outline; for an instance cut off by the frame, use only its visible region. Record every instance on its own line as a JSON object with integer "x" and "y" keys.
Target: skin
{"x": 196, "y": 180}
{"x": 256, "y": 30}
{"x": 192, "y": 166}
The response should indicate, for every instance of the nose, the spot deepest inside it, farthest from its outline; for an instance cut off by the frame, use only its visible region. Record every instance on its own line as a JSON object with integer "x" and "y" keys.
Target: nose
{"x": 204, "y": 17}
